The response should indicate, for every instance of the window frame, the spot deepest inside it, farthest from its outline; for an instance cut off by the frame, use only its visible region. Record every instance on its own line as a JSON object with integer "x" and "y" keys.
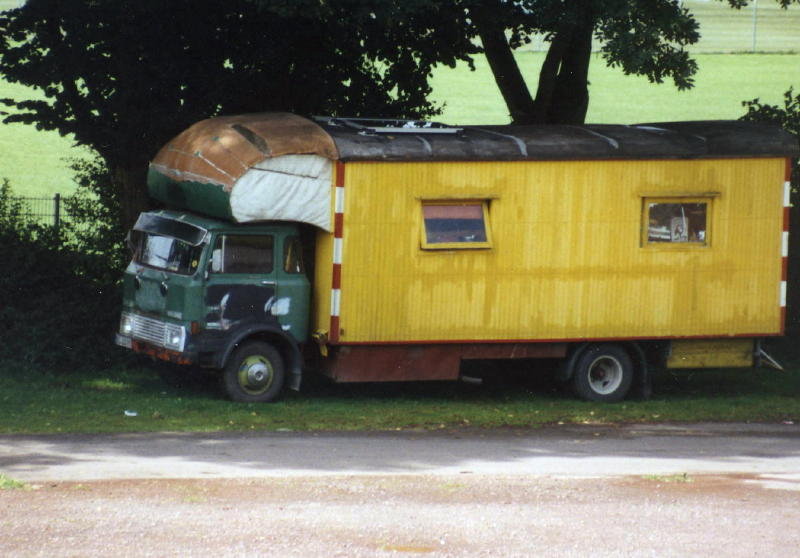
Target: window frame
{"x": 647, "y": 200}
{"x": 468, "y": 245}
{"x": 222, "y": 238}
{"x": 291, "y": 242}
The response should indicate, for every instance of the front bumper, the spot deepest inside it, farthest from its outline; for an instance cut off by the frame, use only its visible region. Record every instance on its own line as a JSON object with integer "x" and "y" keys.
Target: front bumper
{"x": 153, "y": 331}
{"x": 168, "y": 341}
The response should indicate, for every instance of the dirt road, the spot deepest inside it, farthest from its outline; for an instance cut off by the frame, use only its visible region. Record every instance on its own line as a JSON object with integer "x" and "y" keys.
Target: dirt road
{"x": 697, "y": 490}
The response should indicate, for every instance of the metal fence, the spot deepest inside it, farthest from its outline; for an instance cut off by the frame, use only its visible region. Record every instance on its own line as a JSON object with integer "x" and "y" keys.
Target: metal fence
{"x": 43, "y": 210}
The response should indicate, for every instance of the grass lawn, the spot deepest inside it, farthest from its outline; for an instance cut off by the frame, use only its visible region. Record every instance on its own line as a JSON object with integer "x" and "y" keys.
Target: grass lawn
{"x": 722, "y": 83}
{"x": 35, "y": 163}
{"x": 97, "y": 401}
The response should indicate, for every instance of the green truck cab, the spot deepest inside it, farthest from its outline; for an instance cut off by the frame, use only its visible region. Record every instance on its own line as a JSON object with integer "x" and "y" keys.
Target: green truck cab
{"x": 218, "y": 295}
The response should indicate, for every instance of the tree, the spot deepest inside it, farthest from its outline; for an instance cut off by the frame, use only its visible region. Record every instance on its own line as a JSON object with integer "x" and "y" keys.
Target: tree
{"x": 125, "y": 77}
{"x": 643, "y": 37}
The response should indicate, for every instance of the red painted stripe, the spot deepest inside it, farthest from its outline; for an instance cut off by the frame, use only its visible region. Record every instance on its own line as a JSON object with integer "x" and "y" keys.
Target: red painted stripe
{"x": 339, "y": 174}
{"x": 333, "y": 337}
{"x": 338, "y": 232}
{"x": 566, "y": 340}
{"x": 338, "y": 225}
{"x": 785, "y": 260}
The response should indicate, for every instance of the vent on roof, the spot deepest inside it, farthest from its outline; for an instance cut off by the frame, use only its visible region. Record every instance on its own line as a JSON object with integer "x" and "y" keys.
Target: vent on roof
{"x": 389, "y": 125}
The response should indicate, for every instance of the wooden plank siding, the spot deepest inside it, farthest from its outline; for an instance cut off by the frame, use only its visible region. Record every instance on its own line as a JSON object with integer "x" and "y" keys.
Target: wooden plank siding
{"x": 566, "y": 261}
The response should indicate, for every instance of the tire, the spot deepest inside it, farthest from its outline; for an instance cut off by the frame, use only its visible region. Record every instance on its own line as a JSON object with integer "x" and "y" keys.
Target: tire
{"x": 254, "y": 373}
{"x": 603, "y": 373}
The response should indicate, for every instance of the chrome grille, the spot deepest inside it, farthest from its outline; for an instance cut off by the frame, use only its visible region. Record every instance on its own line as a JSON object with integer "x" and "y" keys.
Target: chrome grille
{"x": 148, "y": 329}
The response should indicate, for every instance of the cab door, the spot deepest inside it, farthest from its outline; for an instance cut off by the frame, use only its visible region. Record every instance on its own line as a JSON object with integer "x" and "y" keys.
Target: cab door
{"x": 293, "y": 303}
{"x": 241, "y": 284}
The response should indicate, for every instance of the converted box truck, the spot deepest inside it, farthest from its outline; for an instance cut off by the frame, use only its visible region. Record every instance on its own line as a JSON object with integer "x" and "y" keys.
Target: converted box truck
{"x": 386, "y": 250}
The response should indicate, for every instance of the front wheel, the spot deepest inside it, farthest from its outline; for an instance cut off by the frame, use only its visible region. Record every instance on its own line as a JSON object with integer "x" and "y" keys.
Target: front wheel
{"x": 254, "y": 373}
{"x": 603, "y": 373}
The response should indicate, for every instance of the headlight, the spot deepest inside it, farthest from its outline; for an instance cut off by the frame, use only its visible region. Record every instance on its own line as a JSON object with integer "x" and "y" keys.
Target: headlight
{"x": 126, "y": 325}
{"x": 174, "y": 337}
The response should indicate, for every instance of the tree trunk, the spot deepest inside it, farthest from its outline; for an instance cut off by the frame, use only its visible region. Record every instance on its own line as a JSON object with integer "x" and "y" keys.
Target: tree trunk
{"x": 130, "y": 180}
{"x": 504, "y": 67}
{"x": 570, "y": 99}
{"x": 548, "y": 74}
{"x": 562, "y": 95}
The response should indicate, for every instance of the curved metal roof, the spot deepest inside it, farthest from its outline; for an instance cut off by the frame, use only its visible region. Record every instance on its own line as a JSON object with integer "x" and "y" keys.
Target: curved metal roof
{"x": 706, "y": 139}
{"x": 220, "y": 150}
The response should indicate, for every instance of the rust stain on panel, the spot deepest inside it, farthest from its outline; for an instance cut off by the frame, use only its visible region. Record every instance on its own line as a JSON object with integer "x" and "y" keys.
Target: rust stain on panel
{"x": 394, "y": 363}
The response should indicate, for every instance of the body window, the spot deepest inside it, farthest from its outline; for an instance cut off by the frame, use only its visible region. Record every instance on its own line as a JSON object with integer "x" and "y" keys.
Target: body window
{"x": 243, "y": 254}
{"x": 455, "y": 225}
{"x": 676, "y": 221}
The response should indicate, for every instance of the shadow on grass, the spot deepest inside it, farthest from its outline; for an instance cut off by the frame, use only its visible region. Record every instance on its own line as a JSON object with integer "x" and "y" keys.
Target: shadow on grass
{"x": 501, "y": 382}
{"x": 519, "y": 394}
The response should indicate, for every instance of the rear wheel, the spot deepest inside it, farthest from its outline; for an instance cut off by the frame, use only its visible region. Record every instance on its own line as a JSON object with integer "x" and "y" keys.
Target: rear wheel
{"x": 254, "y": 373}
{"x": 603, "y": 373}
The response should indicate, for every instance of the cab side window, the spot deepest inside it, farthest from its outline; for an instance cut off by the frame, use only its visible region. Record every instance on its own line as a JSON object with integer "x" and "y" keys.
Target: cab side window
{"x": 293, "y": 255}
{"x": 239, "y": 253}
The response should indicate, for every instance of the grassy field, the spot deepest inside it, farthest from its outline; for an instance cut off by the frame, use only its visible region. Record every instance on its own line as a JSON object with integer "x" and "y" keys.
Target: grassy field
{"x": 722, "y": 83}
{"x": 92, "y": 401}
{"x": 723, "y": 30}
{"x": 35, "y": 161}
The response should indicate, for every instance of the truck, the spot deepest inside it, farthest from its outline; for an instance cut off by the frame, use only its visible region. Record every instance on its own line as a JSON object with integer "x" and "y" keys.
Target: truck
{"x": 380, "y": 250}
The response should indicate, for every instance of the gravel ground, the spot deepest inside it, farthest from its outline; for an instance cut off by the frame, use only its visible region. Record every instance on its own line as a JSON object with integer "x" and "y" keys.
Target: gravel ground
{"x": 406, "y": 515}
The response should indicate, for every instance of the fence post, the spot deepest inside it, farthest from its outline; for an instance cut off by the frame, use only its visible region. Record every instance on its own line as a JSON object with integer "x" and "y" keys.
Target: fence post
{"x": 57, "y": 210}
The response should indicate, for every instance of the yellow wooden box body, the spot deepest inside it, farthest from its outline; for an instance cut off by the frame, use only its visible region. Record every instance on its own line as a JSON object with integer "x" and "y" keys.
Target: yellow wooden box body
{"x": 567, "y": 260}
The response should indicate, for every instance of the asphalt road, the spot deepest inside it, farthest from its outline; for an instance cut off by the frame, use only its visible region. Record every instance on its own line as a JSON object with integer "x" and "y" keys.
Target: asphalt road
{"x": 606, "y": 491}
{"x": 561, "y": 451}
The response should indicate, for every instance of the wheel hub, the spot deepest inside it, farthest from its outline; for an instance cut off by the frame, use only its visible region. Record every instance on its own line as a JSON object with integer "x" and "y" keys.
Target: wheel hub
{"x": 255, "y": 374}
{"x": 605, "y": 375}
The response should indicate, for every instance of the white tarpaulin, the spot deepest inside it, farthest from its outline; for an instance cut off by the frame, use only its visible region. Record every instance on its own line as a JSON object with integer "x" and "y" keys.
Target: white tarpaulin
{"x": 285, "y": 188}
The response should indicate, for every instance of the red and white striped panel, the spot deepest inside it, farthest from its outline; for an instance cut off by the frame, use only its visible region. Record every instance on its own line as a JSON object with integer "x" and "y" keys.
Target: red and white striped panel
{"x": 787, "y": 188}
{"x": 338, "y": 231}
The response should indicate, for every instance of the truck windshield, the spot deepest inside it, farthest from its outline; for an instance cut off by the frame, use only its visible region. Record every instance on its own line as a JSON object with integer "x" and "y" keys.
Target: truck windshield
{"x": 165, "y": 253}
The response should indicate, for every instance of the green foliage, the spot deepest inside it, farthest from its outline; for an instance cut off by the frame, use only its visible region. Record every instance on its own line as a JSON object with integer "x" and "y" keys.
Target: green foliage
{"x": 7, "y": 483}
{"x": 58, "y": 306}
{"x": 94, "y": 228}
{"x": 649, "y": 38}
{"x": 124, "y": 78}
{"x": 786, "y": 116}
